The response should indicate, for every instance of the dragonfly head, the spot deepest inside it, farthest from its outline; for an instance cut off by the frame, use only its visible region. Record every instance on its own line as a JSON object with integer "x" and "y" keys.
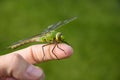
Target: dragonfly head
{"x": 59, "y": 37}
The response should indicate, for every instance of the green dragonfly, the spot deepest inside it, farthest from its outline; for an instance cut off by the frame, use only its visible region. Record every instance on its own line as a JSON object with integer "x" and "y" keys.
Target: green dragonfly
{"x": 48, "y": 36}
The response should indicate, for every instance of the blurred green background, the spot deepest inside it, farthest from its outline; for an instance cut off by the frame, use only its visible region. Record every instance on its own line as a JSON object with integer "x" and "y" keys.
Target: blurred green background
{"x": 94, "y": 36}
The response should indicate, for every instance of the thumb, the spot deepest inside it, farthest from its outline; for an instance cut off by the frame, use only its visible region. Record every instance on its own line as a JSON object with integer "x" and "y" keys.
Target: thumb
{"x": 16, "y": 67}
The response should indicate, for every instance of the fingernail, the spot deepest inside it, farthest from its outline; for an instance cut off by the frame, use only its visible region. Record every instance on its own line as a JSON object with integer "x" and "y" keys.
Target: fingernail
{"x": 33, "y": 72}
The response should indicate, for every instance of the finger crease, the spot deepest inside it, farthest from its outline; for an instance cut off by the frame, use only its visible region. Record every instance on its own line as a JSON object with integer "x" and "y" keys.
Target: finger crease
{"x": 33, "y": 57}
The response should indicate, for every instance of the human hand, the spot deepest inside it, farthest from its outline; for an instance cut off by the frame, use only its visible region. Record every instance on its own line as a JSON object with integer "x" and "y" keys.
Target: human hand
{"x": 18, "y": 65}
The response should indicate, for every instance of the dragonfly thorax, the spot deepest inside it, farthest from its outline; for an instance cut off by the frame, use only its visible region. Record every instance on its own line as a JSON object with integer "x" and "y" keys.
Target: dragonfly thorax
{"x": 52, "y": 37}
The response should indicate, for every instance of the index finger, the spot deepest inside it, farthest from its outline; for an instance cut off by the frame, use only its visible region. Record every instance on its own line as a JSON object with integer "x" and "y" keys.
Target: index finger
{"x": 34, "y": 54}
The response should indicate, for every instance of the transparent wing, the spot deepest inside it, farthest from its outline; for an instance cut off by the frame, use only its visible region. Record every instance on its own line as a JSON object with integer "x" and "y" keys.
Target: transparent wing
{"x": 54, "y": 27}
{"x": 58, "y": 24}
{"x": 50, "y": 28}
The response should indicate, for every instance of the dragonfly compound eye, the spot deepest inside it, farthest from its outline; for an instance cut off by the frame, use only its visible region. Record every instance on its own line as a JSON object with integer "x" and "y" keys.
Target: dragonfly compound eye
{"x": 59, "y": 37}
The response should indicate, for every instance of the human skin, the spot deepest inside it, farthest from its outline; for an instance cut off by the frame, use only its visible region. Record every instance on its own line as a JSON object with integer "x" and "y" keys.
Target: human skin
{"x": 19, "y": 65}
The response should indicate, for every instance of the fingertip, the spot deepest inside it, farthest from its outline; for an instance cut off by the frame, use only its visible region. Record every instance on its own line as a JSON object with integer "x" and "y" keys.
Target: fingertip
{"x": 69, "y": 49}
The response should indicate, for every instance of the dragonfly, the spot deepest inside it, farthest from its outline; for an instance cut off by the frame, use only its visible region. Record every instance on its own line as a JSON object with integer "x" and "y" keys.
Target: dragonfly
{"x": 48, "y": 36}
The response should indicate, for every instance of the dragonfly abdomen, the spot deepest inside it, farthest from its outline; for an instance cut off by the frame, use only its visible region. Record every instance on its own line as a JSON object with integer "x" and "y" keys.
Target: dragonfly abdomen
{"x": 22, "y": 42}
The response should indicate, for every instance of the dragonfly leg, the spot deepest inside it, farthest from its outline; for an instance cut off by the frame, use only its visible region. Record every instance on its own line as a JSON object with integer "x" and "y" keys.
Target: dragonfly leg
{"x": 53, "y": 51}
{"x": 44, "y": 51}
{"x": 61, "y": 49}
